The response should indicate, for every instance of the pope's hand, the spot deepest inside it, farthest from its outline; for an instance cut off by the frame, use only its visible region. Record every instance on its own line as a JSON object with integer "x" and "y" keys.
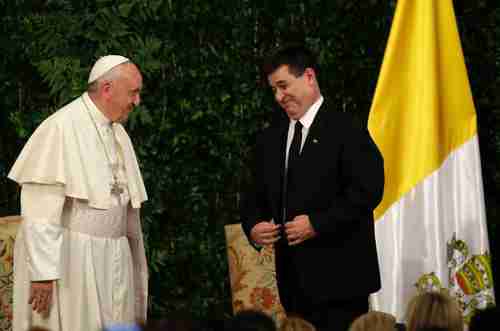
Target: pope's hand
{"x": 265, "y": 233}
{"x": 41, "y": 296}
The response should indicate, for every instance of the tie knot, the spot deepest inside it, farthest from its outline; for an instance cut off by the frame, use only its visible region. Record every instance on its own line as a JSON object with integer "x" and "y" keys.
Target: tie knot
{"x": 298, "y": 125}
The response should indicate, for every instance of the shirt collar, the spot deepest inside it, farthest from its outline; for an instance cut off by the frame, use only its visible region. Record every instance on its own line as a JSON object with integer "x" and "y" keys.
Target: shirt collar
{"x": 96, "y": 114}
{"x": 308, "y": 117}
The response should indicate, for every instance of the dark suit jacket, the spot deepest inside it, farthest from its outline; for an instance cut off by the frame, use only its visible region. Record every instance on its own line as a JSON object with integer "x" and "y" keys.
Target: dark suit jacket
{"x": 338, "y": 181}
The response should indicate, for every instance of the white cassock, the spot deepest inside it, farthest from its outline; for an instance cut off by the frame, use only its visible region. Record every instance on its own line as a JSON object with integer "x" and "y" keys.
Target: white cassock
{"x": 74, "y": 230}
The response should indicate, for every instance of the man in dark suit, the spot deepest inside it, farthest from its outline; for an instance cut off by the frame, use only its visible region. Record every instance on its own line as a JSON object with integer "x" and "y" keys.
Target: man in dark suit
{"x": 317, "y": 180}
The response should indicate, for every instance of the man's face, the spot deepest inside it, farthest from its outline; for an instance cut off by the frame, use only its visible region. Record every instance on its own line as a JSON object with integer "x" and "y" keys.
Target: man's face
{"x": 293, "y": 94}
{"x": 125, "y": 93}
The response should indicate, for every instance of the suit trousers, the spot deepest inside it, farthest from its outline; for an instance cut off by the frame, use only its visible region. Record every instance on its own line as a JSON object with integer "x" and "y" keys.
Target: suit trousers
{"x": 334, "y": 314}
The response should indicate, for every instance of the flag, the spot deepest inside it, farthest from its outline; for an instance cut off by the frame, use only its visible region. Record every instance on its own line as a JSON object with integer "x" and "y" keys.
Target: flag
{"x": 431, "y": 224}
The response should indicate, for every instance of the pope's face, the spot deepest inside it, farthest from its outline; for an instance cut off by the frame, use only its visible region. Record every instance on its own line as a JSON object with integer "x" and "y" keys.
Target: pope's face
{"x": 126, "y": 93}
{"x": 293, "y": 94}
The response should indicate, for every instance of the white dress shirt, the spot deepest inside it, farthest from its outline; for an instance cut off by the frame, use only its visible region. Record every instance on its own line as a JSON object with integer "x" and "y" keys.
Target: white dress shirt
{"x": 306, "y": 120}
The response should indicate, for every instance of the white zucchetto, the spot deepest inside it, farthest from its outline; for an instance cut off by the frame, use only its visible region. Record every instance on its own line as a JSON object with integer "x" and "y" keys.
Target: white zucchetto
{"x": 105, "y": 64}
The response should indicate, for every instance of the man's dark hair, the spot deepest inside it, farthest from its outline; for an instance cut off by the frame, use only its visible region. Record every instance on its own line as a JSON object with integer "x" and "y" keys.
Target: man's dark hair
{"x": 250, "y": 320}
{"x": 297, "y": 57}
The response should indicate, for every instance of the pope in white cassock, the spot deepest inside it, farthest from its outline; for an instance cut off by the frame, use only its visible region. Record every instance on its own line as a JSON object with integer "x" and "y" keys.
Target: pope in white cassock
{"x": 79, "y": 260}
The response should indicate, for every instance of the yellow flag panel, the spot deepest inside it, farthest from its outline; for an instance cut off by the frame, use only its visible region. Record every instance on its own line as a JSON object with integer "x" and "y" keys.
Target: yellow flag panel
{"x": 422, "y": 108}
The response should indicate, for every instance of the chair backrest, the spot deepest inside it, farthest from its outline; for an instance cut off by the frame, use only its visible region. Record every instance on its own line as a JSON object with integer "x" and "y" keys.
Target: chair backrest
{"x": 8, "y": 231}
{"x": 252, "y": 275}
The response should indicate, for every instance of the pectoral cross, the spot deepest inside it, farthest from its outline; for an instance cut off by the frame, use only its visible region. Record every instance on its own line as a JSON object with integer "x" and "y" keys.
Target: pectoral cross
{"x": 115, "y": 187}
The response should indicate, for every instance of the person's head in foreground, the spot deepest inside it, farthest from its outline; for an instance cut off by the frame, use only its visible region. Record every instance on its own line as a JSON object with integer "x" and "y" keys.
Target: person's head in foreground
{"x": 250, "y": 320}
{"x": 434, "y": 310}
{"x": 374, "y": 321}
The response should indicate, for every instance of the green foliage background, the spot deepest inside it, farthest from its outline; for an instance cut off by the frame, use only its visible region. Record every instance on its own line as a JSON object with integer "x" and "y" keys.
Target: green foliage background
{"x": 204, "y": 102}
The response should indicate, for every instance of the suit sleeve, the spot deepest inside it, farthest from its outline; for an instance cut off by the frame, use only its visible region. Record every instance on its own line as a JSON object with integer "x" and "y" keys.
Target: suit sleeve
{"x": 254, "y": 206}
{"x": 362, "y": 179}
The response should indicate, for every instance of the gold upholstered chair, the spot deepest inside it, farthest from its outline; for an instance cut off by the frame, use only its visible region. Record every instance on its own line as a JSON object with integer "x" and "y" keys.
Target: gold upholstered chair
{"x": 8, "y": 230}
{"x": 252, "y": 275}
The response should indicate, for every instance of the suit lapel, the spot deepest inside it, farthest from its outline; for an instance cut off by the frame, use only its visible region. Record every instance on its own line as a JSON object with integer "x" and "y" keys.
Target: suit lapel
{"x": 277, "y": 151}
{"x": 315, "y": 133}
{"x": 281, "y": 153}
